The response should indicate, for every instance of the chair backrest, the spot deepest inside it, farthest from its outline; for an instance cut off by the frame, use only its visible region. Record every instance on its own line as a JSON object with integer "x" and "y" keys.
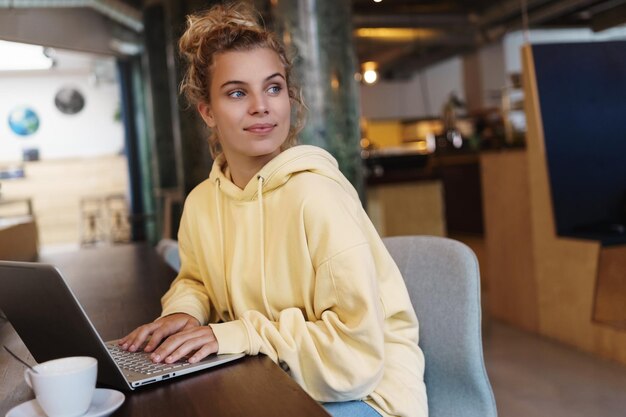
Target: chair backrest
{"x": 168, "y": 249}
{"x": 443, "y": 280}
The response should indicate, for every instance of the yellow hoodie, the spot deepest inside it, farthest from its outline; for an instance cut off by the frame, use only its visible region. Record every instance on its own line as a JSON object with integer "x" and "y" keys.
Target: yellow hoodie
{"x": 292, "y": 267}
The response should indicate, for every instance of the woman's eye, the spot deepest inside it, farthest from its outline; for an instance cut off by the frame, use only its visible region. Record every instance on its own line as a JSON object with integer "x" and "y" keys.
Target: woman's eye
{"x": 236, "y": 94}
{"x": 275, "y": 89}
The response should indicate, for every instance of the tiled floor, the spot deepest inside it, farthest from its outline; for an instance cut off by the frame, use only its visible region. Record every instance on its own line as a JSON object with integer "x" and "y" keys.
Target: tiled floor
{"x": 535, "y": 377}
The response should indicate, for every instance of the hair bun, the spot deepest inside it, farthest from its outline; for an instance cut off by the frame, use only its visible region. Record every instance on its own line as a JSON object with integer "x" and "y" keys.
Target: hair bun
{"x": 218, "y": 19}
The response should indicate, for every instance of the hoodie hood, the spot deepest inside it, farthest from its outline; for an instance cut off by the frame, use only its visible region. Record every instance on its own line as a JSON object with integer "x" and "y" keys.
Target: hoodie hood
{"x": 278, "y": 171}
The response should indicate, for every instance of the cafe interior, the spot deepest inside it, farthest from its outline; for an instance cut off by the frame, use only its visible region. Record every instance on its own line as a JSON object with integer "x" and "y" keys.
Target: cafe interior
{"x": 501, "y": 125}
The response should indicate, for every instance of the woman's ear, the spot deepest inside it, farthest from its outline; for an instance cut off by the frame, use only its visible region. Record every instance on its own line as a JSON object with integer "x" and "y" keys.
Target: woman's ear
{"x": 207, "y": 115}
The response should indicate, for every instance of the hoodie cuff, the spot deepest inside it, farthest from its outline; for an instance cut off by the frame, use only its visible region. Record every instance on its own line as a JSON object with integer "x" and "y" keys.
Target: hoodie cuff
{"x": 232, "y": 337}
{"x": 198, "y": 314}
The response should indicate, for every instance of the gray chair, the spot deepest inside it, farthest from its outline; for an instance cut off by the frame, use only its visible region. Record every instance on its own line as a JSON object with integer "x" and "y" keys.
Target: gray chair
{"x": 443, "y": 280}
{"x": 168, "y": 249}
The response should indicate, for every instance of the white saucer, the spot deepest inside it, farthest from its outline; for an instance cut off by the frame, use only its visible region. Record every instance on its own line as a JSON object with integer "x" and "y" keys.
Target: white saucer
{"x": 103, "y": 403}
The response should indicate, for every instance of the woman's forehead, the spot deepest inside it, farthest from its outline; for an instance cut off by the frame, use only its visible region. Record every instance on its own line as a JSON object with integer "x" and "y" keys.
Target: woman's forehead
{"x": 246, "y": 66}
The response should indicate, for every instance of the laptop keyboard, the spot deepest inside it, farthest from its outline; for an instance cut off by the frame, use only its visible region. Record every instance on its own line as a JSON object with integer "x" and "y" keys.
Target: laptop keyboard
{"x": 140, "y": 361}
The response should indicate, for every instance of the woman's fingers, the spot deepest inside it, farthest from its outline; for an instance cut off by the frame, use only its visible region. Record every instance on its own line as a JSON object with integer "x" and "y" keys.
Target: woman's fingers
{"x": 167, "y": 326}
{"x": 199, "y": 340}
{"x": 203, "y": 352}
{"x": 137, "y": 337}
{"x": 156, "y": 331}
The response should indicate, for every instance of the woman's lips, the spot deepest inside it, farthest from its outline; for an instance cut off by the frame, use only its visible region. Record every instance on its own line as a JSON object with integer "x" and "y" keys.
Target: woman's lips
{"x": 260, "y": 128}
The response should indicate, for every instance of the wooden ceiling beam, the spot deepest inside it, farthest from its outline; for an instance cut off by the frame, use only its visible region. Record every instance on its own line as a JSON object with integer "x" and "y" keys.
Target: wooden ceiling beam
{"x": 609, "y": 18}
{"x": 411, "y": 20}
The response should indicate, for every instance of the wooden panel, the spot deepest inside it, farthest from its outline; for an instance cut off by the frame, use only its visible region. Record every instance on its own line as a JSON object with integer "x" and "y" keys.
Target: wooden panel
{"x": 566, "y": 269}
{"x": 18, "y": 240}
{"x": 414, "y": 208}
{"x": 610, "y": 299}
{"x": 539, "y": 281}
{"x": 510, "y": 268}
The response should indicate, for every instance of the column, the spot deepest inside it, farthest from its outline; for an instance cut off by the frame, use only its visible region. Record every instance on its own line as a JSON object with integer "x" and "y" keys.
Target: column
{"x": 320, "y": 33}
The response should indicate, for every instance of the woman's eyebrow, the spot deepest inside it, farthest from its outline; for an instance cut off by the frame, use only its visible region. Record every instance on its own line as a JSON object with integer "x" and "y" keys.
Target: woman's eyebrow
{"x": 278, "y": 74}
{"x": 232, "y": 82}
{"x": 237, "y": 82}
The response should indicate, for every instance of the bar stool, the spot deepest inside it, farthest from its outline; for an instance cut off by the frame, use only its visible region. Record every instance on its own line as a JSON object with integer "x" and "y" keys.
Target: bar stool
{"x": 92, "y": 221}
{"x": 117, "y": 216}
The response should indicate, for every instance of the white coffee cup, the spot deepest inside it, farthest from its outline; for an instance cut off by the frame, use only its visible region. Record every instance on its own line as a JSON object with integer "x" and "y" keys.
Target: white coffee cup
{"x": 64, "y": 387}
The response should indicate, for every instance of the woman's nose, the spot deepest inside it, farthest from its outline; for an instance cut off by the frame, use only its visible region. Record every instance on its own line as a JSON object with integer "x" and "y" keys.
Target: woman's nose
{"x": 259, "y": 105}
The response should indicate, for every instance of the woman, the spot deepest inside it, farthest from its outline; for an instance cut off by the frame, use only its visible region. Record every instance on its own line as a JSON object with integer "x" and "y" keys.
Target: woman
{"x": 278, "y": 256}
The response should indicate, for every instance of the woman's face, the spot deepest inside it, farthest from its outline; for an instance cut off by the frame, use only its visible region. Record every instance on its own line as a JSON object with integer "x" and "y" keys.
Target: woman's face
{"x": 249, "y": 104}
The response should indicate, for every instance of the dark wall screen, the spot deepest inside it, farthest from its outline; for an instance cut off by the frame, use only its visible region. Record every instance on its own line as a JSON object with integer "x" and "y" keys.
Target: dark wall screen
{"x": 582, "y": 93}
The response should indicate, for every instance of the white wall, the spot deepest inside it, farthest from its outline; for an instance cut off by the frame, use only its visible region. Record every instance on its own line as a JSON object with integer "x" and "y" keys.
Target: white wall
{"x": 407, "y": 100}
{"x": 493, "y": 74}
{"x": 513, "y": 41}
{"x": 91, "y": 132}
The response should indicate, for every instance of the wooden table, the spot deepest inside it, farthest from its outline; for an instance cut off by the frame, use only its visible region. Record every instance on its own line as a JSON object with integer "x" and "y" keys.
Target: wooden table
{"x": 120, "y": 288}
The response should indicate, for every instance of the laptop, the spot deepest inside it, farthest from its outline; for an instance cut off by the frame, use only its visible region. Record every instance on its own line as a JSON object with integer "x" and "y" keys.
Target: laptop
{"x": 52, "y": 324}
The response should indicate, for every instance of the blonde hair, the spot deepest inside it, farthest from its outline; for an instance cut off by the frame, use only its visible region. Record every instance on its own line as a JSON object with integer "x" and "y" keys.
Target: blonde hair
{"x": 224, "y": 28}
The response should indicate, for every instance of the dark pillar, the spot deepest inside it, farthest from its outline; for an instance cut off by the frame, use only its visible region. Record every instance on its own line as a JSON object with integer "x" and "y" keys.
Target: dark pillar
{"x": 166, "y": 161}
{"x": 133, "y": 155}
{"x": 180, "y": 152}
{"x": 144, "y": 151}
{"x": 320, "y": 31}
{"x": 162, "y": 102}
{"x": 192, "y": 134}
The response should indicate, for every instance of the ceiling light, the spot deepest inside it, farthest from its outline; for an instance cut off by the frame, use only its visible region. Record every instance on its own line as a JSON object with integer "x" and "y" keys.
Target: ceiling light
{"x": 397, "y": 34}
{"x": 23, "y": 57}
{"x": 370, "y": 75}
{"x": 377, "y": 1}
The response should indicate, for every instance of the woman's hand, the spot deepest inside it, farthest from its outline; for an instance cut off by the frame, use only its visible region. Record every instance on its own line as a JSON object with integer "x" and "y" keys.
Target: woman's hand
{"x": 157, "y": 331}
{"x": 200, "y": 340}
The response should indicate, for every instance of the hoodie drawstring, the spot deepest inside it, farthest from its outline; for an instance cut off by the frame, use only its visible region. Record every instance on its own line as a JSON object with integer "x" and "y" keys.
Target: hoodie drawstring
{"x": 262, "y": 246}
{"x": 218, "y": 201}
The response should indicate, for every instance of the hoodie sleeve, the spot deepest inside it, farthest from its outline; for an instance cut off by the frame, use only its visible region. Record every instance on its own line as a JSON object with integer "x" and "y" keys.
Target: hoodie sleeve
{"x": 338, "y": 354}
{"x": 187, "y": 294}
